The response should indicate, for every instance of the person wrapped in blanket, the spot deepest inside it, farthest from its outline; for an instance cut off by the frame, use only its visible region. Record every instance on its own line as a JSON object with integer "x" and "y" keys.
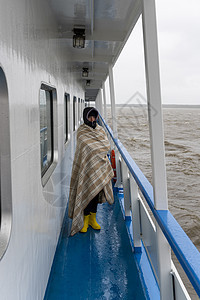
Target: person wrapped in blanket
{"x": 91, "y": 174}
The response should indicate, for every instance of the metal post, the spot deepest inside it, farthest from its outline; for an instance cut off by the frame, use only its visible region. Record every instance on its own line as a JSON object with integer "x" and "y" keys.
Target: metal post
{"x": 104, "y": 100}
{"x": 154, "y": 105}
{"x": 135, "y": 214}
{"x": 114, "y": 123}
{"x": 126, "y": 187}
{"x": 157, "y": 141}
{"x": 97, "y": 102}
{"x": 112, "y": 100}
{"x": 100, "y": 102}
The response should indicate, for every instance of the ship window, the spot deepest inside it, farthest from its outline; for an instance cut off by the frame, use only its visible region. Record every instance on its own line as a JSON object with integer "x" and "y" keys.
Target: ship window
{"x": 5, "y": 168}
{"x": 79, "y": 111}
{"x": 74, "y": 114}
{"x": 47, "y": 128}
{"x": 66, "y": 116}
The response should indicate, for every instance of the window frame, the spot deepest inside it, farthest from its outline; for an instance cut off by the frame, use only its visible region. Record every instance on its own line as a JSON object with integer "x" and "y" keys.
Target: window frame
{"x": 6, "y": 212}
{"x": 74, "y": 113}
{"x": 66, "y": 118}
{"x": 82, "y": 108}
{"x": 79, "y": 111}
{"x": 47, "y": 171}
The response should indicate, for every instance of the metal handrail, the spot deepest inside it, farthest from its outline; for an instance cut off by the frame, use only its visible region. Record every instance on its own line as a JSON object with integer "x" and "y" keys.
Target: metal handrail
{"x": 185, "y": 251}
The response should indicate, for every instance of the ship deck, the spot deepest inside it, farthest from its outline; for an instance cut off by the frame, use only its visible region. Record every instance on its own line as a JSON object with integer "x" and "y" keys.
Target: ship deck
{"x": 96, "y": 264}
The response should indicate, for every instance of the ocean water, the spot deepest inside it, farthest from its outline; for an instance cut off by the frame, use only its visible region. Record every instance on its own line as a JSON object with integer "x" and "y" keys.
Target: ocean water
{"x": 182, "y": 152}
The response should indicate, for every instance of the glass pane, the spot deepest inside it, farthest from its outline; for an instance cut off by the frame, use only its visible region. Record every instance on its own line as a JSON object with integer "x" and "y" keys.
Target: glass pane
{"x": 74, "y": 113}
{"x": 66, "y": 118}
{"x": 46, "y": 129}
{"x": 79, "y": 111}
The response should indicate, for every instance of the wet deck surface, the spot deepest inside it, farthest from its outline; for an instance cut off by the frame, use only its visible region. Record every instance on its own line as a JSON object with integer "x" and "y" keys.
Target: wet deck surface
{"x": 95, "y": 265}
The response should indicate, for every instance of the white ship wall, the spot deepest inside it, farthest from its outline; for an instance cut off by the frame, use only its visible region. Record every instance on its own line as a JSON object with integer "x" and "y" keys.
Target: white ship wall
{"x": 30, "y": 55}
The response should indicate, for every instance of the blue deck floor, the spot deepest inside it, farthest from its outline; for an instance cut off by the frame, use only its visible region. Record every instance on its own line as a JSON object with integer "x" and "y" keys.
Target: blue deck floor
{"x": 95, "y": 265}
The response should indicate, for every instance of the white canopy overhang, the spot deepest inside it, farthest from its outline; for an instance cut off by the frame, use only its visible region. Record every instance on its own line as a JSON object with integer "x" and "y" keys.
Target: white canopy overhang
{"x": 107, "y": 25}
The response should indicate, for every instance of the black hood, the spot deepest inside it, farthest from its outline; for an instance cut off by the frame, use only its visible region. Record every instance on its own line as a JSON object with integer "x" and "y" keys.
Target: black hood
{"x": 88, "y": 112}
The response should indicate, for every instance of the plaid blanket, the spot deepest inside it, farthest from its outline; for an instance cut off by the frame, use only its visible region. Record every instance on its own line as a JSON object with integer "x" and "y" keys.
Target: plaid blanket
{"x": 91, "y": 173}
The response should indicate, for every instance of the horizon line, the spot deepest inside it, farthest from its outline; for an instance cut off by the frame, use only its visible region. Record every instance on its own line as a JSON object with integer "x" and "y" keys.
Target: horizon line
{"x": 163, "y": 105}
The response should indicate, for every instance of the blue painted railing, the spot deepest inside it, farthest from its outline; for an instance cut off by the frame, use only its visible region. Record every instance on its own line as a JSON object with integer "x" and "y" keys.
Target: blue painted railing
{"x": 184, "y": 249}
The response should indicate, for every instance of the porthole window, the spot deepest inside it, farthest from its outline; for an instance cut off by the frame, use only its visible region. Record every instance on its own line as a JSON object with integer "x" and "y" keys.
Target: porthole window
{"x": 66, "y": 117}
{"x": 47, "y": 130}
{"x": 74, "y": 113}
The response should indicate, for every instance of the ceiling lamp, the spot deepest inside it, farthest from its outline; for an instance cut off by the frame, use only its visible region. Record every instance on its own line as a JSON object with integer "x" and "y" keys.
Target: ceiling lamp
{"x": 87, "y": 82}
{"x": 85, "y": 72}
{"x": 79, "y": 38}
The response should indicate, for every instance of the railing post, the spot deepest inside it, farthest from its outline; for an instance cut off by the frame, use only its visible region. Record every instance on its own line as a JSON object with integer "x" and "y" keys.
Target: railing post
{"x": 118, "y": 170}
{"x": 136, "y": 221}
{"x": 104, "y": 100}
{"x": 112, "y": 100}
{"x": 126, "y": 187}
{"x": 99, "y": 104}
{"x": 114, "y": 122}
{"x": 157, "y": 141}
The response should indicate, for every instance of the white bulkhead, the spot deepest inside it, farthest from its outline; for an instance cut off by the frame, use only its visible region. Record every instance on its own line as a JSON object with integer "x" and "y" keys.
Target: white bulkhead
{"x": 29, "y": 56}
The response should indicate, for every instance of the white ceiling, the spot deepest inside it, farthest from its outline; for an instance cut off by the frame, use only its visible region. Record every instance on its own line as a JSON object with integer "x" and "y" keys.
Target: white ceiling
{"x": 107, "y": 23}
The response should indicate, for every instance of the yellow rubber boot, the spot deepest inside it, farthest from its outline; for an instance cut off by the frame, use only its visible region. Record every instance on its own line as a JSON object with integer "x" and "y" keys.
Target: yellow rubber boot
{"x": 93, "y": 222}
{"x": 85, "y": 226}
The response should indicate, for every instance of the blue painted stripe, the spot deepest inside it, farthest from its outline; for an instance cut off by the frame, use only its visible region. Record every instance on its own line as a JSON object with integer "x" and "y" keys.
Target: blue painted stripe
{"x": 184, "y": 249}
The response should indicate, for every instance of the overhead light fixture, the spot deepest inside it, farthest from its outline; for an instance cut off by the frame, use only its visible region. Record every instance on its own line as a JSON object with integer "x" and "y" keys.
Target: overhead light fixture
{"x": 88, "y": 82}
{"x": 85, "y": 72}
{"x": 79, "y": 38}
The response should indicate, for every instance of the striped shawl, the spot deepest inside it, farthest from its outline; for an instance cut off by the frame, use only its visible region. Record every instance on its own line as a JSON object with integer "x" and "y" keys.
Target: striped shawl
{"x": 91, "y": 173}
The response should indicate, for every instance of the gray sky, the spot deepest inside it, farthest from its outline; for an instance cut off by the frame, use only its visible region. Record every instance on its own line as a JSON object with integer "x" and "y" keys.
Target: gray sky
{"x": 178, "y": 23}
